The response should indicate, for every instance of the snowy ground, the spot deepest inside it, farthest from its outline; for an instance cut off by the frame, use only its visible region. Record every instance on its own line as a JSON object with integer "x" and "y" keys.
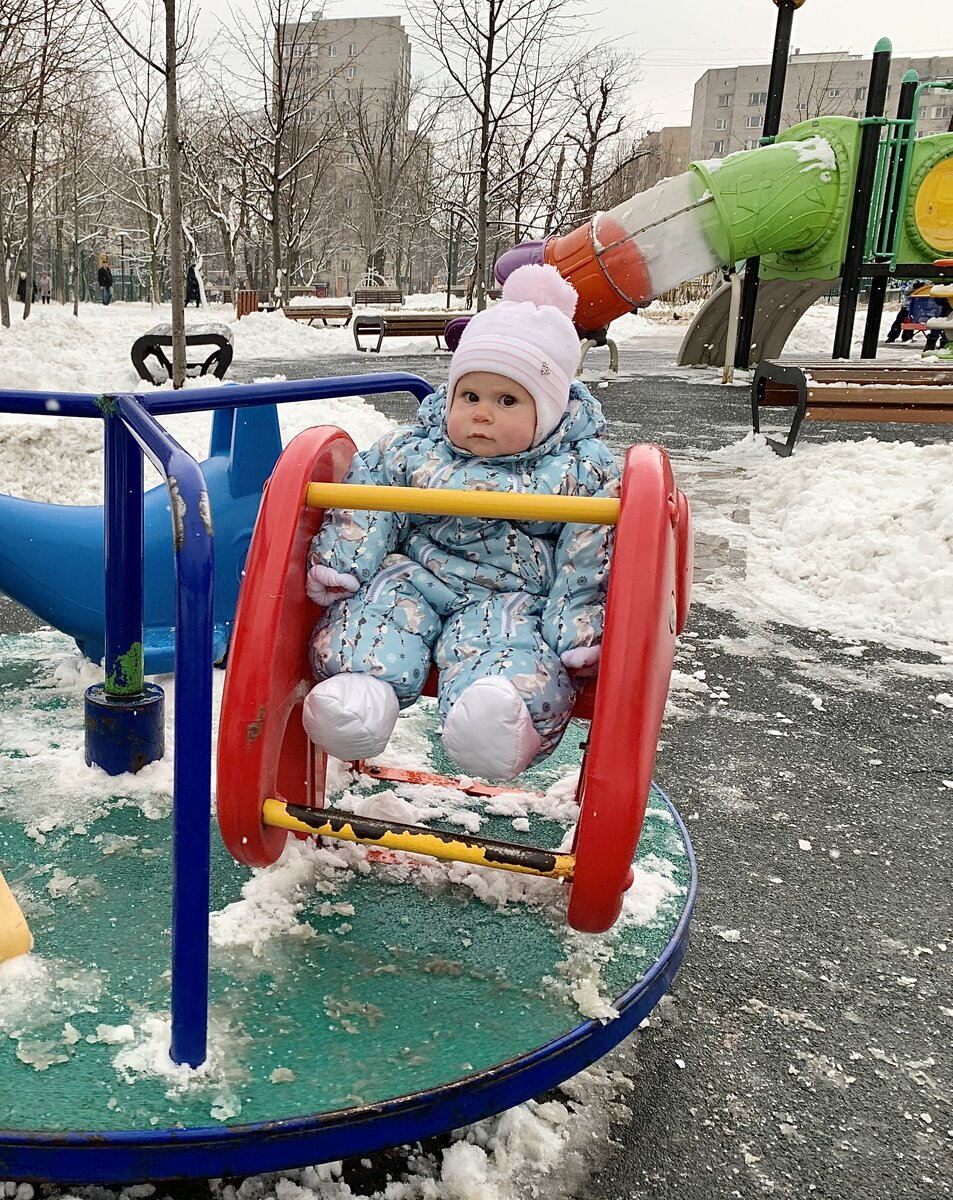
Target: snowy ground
{"x": 852, "y": 537}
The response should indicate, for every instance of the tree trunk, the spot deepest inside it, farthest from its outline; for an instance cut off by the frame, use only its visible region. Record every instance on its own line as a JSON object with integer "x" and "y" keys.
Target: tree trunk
{"x": 4, "y": 291}
{"x": 176, "y": 256}
{"x": 76, "y": 259}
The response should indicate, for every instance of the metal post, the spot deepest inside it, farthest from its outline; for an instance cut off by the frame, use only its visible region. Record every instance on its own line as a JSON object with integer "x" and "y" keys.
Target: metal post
{"x": 863, "y": 196}
{"x": 772, "y": 123}
{"x": 449, "y": 251}
{"x": 891, "y": 213}
{"x": 124, "y": 716}
{"x": 122, "y": 265}
{"x": 734, "y": 309}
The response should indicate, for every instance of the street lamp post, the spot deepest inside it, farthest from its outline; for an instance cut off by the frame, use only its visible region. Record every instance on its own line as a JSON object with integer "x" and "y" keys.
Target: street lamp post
{"x": 772, "y": 123}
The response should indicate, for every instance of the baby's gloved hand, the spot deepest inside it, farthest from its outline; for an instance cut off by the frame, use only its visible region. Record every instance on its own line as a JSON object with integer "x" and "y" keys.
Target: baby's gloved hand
{"x": 582, "y": 662}
{"x": 325, "y": 585}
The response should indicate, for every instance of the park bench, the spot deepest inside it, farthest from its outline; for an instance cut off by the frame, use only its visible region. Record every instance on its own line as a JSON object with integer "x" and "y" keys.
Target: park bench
{"x": 319, "y": 312}
{"x": 402, "y": 324}
{"x": 851, "y": 391}
{"x": 154, "y": 342}
{"x": 378, "y": 295}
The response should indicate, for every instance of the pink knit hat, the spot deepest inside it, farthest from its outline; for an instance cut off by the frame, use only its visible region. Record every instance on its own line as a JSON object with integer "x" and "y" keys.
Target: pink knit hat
{"x": 528, "y": 337}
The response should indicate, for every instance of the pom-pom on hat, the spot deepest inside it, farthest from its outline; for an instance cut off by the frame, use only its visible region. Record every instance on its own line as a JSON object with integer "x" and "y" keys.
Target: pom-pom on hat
{"x": 529, "y": 337}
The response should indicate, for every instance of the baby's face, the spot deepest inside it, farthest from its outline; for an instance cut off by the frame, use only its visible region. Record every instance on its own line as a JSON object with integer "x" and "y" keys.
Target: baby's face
{"x": 491, "y": 415}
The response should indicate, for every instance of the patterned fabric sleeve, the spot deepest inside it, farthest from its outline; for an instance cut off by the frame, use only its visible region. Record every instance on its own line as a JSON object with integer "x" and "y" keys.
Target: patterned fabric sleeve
{"x": 575, "y": 608}
{"x": 357, "y": 542}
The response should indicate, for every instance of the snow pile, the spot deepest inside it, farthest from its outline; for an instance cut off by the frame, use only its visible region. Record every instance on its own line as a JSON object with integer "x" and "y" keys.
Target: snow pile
{"x": 853, "y": 537}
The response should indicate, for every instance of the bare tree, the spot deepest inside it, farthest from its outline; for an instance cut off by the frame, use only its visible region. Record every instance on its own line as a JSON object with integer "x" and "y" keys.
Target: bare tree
{"x": 498, "y": 55}
{"x": 176, "y": 47}
{"x": 139, "y": 85}
{"x": 599, "y": 88}
{"x": 18, "y": 48}
{"x": 62, "y": 41}
{"x": 389, "y": 156}
{"x": 282, "y": 126}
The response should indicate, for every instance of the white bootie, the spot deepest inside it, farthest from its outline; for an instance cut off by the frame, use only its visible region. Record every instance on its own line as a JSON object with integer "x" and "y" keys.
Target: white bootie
{"x": 350, "y": 716}
{"x": 489, "y": 731}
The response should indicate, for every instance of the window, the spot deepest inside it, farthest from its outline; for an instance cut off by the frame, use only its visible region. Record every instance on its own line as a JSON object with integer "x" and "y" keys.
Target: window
{"x": 330, "y": 93}
{"x": 860, "y": 93}
{"x": 352, "y": 48}
{"x": 352, "y": 72}
{"x": 752, "y": 144}
{"x": 942, "y": 111}
{"x": 348, "y": 158}
{"x": 755, "y": 121}
{"x": 721, "y": 122}
{"x": 922, "y": 113}
{"x": 332, "y": 51}
{"x": 345, "y": 265}
{"x": 833, "y": 92}
{"x": 724, "y": 101}
{"x": 717, "y": 148}
{"x": 758, "y": 98}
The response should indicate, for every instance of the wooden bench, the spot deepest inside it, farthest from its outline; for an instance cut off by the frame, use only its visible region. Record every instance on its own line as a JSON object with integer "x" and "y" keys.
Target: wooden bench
{"x": 378, "y": 295}
{"x": 403, "y": 324}
{"x": 319, "y": 312}
{"x": 851, "y": 391}
{"x": 152, "y": 345}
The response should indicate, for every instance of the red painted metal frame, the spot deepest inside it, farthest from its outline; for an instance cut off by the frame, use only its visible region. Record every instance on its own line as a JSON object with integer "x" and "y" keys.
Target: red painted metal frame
{"x": 262, "y": 747}
{"x": 634, "y": 673}
{"x": 263, "y": 750}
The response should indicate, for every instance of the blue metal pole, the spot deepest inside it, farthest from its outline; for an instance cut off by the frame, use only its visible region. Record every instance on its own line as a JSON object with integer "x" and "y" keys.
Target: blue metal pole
{"x": 124, "y": 716}
{"x": 194, "y": 564}
{"x": 123, "y": 560}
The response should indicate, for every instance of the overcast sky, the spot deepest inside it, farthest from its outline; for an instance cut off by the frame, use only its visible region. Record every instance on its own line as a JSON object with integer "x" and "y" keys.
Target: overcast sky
{"x": 679, "y": 40}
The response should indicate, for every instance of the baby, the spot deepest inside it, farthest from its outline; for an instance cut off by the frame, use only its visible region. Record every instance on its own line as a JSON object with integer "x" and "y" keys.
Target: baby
{"x": 511, "y": 612}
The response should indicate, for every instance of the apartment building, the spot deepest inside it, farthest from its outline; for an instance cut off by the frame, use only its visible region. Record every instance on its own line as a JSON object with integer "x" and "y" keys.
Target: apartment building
{"x": 662, "y": 153}
{"x": 729, "y": 102}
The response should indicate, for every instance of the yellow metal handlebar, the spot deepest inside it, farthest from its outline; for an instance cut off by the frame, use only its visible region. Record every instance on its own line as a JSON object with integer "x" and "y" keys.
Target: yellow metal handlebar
{"x": 513, "y": 506}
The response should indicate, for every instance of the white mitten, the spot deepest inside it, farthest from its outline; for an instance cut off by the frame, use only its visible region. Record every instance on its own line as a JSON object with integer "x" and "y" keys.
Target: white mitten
{"x": 325, "y": 585}
{"x": 582, "y": 662}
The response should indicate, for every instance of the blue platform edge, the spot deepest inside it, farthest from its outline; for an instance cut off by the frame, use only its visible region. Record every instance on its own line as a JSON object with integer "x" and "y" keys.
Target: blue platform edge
{"x": 251, "y": 1149}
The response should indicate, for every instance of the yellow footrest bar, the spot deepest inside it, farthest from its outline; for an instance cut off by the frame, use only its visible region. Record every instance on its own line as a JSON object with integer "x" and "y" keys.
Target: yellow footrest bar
{"x": 415, "y": 839}
{"x": 513, "y": 506}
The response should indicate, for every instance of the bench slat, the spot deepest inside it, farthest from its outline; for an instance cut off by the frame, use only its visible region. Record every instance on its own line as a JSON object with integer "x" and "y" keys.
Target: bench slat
{"x": 909, "y": 414}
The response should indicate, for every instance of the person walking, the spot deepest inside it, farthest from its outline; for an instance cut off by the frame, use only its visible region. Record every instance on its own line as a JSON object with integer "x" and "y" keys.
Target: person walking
{"x": 192, "y": 293}
{"x": 46, "y": 287}
{"x": 105, "y": 280}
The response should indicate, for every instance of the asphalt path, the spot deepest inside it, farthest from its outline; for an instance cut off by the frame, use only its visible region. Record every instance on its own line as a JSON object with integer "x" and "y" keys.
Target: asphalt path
{"x": 805, "y": 1047}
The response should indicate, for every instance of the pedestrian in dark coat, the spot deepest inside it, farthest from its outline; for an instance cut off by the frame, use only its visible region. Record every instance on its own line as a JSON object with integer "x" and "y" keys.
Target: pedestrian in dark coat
{"x": 105, "y": 280}
{"x": 192, "y": 293}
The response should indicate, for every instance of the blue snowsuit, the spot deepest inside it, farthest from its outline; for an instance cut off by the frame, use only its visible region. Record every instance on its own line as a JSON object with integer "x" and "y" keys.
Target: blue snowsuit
{"x": 477, "y": 597}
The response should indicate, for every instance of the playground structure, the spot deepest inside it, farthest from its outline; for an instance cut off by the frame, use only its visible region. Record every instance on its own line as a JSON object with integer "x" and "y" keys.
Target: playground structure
{"x": 392, "y": 1039}
{"x": 831, "y": 199}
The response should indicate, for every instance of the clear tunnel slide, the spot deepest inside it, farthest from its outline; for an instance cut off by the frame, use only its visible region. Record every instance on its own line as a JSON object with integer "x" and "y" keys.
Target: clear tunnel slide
{"x": 785, "y": 197}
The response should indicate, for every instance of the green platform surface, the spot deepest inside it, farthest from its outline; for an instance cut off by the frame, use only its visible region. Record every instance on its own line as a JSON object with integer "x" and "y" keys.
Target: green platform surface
{"x": 381, "y": 981}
